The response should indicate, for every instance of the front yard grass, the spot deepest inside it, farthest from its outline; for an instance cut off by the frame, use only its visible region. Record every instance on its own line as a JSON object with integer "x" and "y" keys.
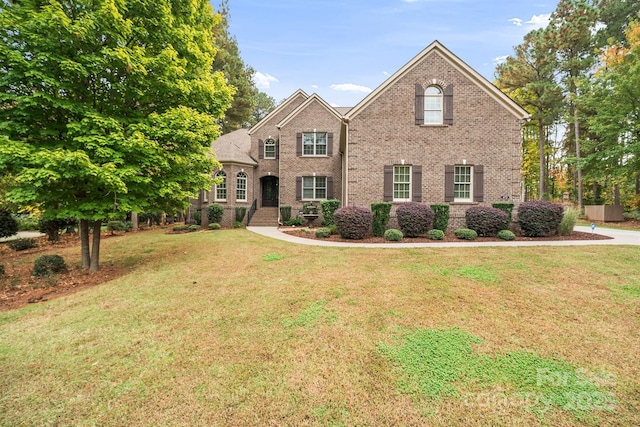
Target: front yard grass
{"x": 229, "y": 328}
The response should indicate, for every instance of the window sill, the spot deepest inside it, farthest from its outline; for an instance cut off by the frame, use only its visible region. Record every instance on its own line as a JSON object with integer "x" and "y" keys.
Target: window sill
{"x": 469, "y": 202}
{"x": 436, "y": 125}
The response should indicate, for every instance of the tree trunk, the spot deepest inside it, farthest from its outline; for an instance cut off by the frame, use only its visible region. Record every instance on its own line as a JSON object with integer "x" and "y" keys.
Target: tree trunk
{"x": 616, "y": 194}
{"x": 576, "y": 125}
{"x": 134, "y": 220}
{"x": 84, "y": 243}
{"x": 542, "y": 168}
{"x": 95, "y": 249}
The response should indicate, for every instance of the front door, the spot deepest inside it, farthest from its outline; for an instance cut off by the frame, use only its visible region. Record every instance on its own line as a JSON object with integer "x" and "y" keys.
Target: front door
{"x": 270, "y": 191}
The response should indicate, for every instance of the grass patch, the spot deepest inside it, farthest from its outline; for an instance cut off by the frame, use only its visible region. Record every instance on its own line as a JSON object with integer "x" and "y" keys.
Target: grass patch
{"x": 273, "y": 257}
{"x": 187, "y": 338}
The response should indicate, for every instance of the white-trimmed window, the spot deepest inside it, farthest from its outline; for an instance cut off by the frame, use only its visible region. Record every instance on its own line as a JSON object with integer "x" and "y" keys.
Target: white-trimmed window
{"x": 433, "y": 105}
{"x": 463, "y": 183}
{"x": 220, "y": 190}
{"x": 402, "y": 183}
{"x": 241, "y": 187}
{"x": 270, "y": 149}
{"x": 314, "y": 144}
{"x": 314, "y": 187}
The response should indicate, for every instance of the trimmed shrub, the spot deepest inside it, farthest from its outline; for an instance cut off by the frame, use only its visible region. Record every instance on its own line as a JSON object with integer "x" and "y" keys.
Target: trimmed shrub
{"x": 568, "y": 222}
{"x": 328, "y": 208}
{"x": 441, "y": 216}
{"x": 196, "y": 217}
{"x": 381, "y": 212}
{"x": 8, "y": 224}
{"x": 435, "y": 234}
{"x": 486, "y": 221}
{"x": 466, "y": 234}
{"x": 114, "y": 226}
{"x": 194, "y": 227}
{"x": 285, "y": 214}
{"x": 52, "y": 227}
{"x": 297, "y": 221}
{"x": 353, "y": 222}
{"x": 180, "y": 227}
{"x": 127, "y": 226}
{"x": 48, "y": 264}
{"x": 393, "y": 235}
{"x": 214, "y": 226}
{"x": 414, "y": 219}
{"x": 238, "y": 224}
{"x": 150, "y": 218}
{"x": 22, "y": 244}
{"x": 323, "y": 232}
{"x": 240, "y": 213}
{"x": 215, "y": 212}
{"x": 539, "y": 218}
{"x": 506, "y": 208}
{"x": 506, "y": 235}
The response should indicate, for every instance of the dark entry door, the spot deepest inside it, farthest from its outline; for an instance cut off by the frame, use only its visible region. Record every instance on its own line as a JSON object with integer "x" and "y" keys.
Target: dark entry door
{"x": 269, "y": 191}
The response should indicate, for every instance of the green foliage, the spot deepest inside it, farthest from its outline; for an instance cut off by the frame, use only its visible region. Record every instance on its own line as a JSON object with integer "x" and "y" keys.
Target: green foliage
{"x": 273, "y": 257}
{"x": 193, "y": 227}
{"x": 353, "y": 222}
{"x": 435, "y": 234}
{"x": 181, "y": 227}
{"x": 506, "y": 208}
{"x": 441, "y": 216}
{"x": 381, "y": 213}
{"x": 52, "y": 227}
{"x": 309, "y": 208}
{"x": 22, "y": 244}
{"x": 309, "y": 316}
{"x": 393, "y": 235}
{"x": 27, "y": 223}
{"x": 485, "y": 220}
{"x": 214, "y": 226}
{"x": 569, "y": 219}
{"x": 465, "y": 234}
{"x": 323, "y": 232}
{"x": 49, "y": 264}
{"x": 196, "y": 217}
{"x": 285, "y": 214}
{"x": 238, "y": 224}
{"x": 539, "y": 218}
{"x": 414, "y": 219}
{"x": 114, "y": 226}
{"x": 297, "y": 221}
{"x": 506, "y": 235}
{"x": 240, "y": 213}
{"x": 151, "y": 217}
{"x": 215, "y": 211}
{"x": 328, "y": 208}
{"x": 8, "y": 224}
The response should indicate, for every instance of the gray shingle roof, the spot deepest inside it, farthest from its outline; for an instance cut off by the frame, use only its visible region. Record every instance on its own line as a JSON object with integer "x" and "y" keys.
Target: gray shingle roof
{"x": 234, "y": 147}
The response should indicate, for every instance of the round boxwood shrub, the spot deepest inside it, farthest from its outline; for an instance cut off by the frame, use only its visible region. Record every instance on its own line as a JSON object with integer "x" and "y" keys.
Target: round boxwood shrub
{"x": 48, "y": 264}
{"x": 194, "y": 227}
{"x": 8, "y": 224}
{"x": 506, "y": 235}
{"x": 22, "y": 244}
{"x": 539, "y": 218}
{"x": 323, "y": 232}
{"x": 353, "y": 222}
{"x": 466, "y": 234}
{"x": 215, "y": 212}
{"x": 393, "y": 235}
{"x": 214, "y": 226}
{"x": 485, "y": 220}
{"x": 414, "y": 219}
{"x": 435, "y": 234}
{"x": 180, "y": 227}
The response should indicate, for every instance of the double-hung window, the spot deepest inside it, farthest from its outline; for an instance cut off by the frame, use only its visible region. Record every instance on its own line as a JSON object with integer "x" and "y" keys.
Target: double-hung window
{"x": 314, "y": 187}
{"x": 314, "y": 144}
{"x": 241, "y": 187}
{"x": 462, "y": 183}
{"x": 433, "y": 106}
{"x": 401, "y": 183}
{"x": 221, "y": 187}
{"x": 270, "y": 149}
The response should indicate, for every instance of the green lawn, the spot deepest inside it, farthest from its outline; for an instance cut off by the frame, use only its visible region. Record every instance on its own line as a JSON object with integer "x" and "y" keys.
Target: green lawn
{"x": 230, "y": 328}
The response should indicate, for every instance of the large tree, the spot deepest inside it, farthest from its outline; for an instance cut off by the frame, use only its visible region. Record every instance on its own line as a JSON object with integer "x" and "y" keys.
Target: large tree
{"x": 108, "y": 106}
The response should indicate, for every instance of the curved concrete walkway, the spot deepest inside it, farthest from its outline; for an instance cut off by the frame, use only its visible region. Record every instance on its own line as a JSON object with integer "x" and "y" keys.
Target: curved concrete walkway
{"x": 618, "y": 237}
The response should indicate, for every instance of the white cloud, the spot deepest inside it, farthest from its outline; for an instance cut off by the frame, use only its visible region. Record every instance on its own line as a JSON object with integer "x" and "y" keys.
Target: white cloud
{"x": 350, "y": 87}
{"x": 539, "y": 21}
{"x": 263, "y": 81}
{"x": 385, "y": 73}
{"x": 500, "y": 59}
{"x": 314, "y": 86}
{"x": 516, "y": 21}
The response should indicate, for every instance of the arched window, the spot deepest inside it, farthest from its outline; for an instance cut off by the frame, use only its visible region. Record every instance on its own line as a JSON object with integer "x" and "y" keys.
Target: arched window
{"x": 221, "y": 188}
{"x": 270, "y": 149}
{"x": 241, "y": 187}
{"x": 433, "y": 105}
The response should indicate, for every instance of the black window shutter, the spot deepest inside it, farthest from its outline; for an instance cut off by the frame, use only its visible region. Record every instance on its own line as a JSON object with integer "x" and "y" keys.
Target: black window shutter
{"x": 260, "y": 149}
{"x": 298, "y": 144}
{"x": 448, "y": 105}
{"x": 478, "y": 183}
{"x": 419, "y": 104}
{"x": 329, "y": 187}
{"x": 416, "y": 183}
{"x": 388, "y": 183}
{"x": 330, "y": 144}
{"x": 277, "y": 149}
{"x": 448, "y": 183}
{"x": 298, "y": 188}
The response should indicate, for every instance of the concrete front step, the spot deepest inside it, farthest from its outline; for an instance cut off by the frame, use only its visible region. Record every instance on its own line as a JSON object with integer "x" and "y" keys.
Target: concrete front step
{"x": 265, "y": 217}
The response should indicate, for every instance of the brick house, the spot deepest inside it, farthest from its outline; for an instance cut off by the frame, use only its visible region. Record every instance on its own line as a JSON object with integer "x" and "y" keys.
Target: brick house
{"x": 436, "y": 131}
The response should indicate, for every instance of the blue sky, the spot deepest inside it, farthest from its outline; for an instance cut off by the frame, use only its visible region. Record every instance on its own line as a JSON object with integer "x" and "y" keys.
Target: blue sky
{"x": 342, "y": 50}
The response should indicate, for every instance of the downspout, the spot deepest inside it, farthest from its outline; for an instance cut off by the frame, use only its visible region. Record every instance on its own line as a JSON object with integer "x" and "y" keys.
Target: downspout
{"x": 345, "y": 184}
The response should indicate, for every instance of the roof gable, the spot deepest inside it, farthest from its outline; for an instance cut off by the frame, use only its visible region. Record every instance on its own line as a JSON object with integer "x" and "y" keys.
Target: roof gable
{"x": 313, "y": 98}
{"x": 284, "y": 104}
{"x": 234, "y": 147}
{"x": 447, "y": 55}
